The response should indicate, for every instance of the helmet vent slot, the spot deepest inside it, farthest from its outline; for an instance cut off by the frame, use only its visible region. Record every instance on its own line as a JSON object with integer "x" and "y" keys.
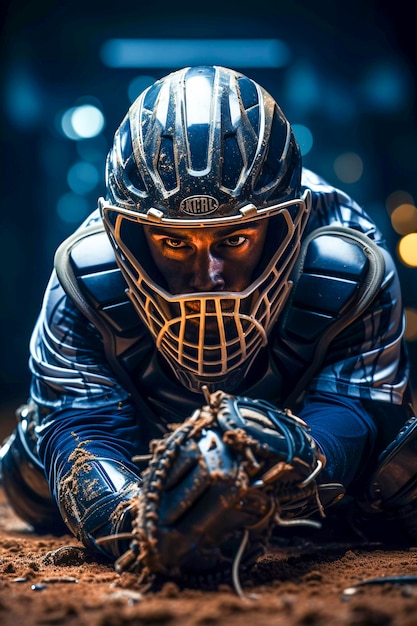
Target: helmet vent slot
{"x": 275, "y": 156}
{"x": 253, "y": 117}
{"x": 232, "y": 162}
{"x": 134, "y": 176}
{"x": 166, "y": 163}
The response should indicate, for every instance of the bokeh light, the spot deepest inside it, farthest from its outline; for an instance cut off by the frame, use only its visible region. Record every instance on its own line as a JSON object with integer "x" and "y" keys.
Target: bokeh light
{"x": 82, "y": 122}
{"x": 407, "y": 250}
{"x": 304, "y": 137}
{"x": 400, "y": 196}
{"x": 348, "y": 167}
{"x": 23, "y": 98}
{"x": 303, "y": 88}
{"x": 176, "y": 53}
{"x": 82, "y": 177}
{"x": 386, "y": 85}
{"x": 72, "y": 208}
{"x": 404, "y": 219}
{"x": 411, "y": 324}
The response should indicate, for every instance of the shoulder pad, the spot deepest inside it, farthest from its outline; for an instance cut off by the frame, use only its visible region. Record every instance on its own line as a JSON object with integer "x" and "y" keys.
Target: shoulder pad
{"x": 87, "y": 269}
{"x": 337, "y": 275}
{"x": 336, "y": 266}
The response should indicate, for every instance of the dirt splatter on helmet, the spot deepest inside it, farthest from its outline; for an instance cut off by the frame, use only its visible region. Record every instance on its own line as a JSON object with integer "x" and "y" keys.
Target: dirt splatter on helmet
{"x": 205, "y": 146}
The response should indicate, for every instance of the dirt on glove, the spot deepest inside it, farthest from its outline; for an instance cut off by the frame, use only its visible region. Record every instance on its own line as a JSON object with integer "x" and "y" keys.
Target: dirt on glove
{"x": 54, "y": 580}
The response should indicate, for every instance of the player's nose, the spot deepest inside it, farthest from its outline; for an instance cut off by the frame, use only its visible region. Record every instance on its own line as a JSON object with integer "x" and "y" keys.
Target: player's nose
{"x": 207, "y": 272}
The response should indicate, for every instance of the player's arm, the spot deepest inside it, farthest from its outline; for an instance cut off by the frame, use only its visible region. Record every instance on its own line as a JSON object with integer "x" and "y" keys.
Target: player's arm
{"x": 87, "y": 428}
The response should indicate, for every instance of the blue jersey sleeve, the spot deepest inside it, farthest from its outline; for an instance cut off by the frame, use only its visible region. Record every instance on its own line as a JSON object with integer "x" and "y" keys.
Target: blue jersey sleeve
{"x": 345, "y": 432}
{"x": 88, "y": 429}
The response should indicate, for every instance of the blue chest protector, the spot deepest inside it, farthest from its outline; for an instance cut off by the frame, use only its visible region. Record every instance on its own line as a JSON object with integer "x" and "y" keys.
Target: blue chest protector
{"x": 338, "y": 273}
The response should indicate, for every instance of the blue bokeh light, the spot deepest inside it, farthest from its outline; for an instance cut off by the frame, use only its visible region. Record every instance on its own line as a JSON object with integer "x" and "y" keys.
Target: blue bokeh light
{"x": 82, "y": 122}
{"x": 304, "y": 137}
{"x": 82, "y": 177}
{"x": 72, "y": 208}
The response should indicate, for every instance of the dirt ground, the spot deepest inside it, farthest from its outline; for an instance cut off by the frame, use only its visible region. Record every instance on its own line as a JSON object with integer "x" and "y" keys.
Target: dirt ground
{"x": 53, "y": 580}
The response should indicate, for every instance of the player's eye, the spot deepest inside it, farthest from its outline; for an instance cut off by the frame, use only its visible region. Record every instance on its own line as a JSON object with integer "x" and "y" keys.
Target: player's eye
{"x": 174, "y": 243}
{"x": 234, "y": 241}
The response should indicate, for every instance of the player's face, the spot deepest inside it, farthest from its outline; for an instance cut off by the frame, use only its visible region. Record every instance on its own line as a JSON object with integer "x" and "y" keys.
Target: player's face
{"x": 207, "y": 259}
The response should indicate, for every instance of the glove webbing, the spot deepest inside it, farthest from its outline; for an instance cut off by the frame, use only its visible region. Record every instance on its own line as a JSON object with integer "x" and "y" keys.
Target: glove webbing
{"x": 145, "y": 511}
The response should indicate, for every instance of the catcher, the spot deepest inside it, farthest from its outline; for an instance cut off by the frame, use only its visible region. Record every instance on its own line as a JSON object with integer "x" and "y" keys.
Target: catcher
{"x": 220, "y": 350}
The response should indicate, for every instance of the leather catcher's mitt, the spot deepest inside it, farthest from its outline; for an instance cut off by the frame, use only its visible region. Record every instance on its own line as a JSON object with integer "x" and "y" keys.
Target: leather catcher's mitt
{"x": 216, "y": 486}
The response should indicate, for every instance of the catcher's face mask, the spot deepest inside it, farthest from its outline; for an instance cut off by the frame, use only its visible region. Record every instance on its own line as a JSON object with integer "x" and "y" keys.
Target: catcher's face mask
{"x": 207, "y": 337}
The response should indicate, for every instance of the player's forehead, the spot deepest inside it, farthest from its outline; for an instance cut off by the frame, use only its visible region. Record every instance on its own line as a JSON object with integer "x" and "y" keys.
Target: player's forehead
{"x": 214, "y": 232}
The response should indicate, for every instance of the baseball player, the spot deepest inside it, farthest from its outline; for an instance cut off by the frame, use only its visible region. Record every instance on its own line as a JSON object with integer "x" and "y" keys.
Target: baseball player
{"x": 216, "y": 264}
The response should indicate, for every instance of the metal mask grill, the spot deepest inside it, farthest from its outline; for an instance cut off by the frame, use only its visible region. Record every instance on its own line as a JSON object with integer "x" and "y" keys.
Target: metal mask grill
{"x": 208, "y": 342}
{"x": 208, "y": 336}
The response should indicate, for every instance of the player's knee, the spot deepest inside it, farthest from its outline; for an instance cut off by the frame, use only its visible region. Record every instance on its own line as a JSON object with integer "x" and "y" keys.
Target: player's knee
{"x": 392, "y": 490}
{"x": 25, "y": 484}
